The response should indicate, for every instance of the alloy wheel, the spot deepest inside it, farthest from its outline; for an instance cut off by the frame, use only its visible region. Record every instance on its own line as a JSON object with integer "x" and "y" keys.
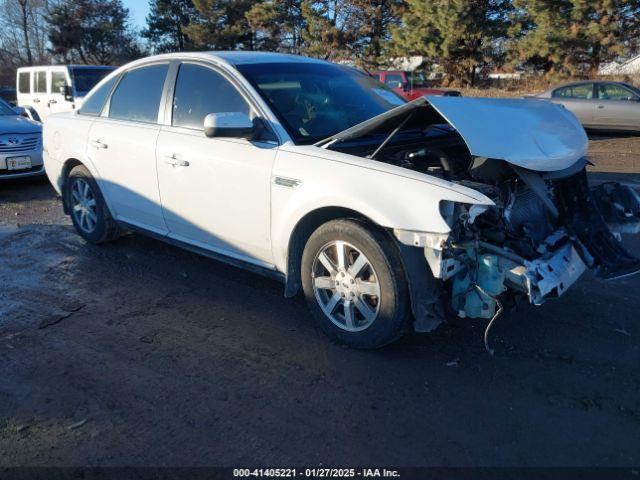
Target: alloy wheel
{"x": 346, "y": 286}
{"x": 83, "y": 205}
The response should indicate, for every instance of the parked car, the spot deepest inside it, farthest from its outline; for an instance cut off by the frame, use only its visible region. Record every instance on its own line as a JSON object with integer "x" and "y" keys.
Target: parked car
{"x": 56, "y": 88}
{"x": 20, "y": 144}
{"x": 9, "y": 96}
{"x": 386, "y": 214}
{"x": 599, "y": 105}
{"x": 411, "y": 85}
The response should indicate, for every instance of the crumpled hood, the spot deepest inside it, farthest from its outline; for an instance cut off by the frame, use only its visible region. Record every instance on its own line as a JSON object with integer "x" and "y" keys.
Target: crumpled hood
{"x": 532, "y": 134}
{"x": 18, "y": 124}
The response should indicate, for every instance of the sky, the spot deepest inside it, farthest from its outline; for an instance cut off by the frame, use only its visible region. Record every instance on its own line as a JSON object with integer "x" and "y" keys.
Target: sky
{"x": 138, "y": 10}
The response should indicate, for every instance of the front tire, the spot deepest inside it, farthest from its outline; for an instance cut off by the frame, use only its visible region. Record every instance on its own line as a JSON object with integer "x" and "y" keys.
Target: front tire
{"x": 89, "y": 213}
{"x": 354, "y": 284}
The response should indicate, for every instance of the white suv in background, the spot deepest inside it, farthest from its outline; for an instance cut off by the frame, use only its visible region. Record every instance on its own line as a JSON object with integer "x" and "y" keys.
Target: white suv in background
{"x": 386, "y": 214}
{"x": 56, "y": 88}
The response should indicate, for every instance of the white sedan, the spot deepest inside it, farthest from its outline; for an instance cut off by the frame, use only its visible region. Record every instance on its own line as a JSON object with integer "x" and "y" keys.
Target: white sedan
{"x": 386, "y": 214}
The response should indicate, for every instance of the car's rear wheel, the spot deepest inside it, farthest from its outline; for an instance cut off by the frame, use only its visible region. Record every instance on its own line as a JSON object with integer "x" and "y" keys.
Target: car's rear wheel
{"x": 89, "y": 213}
{"x": 354, "y": 284}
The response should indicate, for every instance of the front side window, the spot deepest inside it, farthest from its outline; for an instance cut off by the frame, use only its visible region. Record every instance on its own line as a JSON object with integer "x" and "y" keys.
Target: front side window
{"x": 41, "y": 82}
{"x": 58, "y": 80}
{"x": 24, "y": 82}
{"x": 93, "y": 105}
{"x": 314, "y": 101}
{"x": 393, "y": 80}
{"x": 201, "y": 91}
{"x": 583, "y": 91}
{"x": 137, "y": 96}
{"x": 611, "y": 91}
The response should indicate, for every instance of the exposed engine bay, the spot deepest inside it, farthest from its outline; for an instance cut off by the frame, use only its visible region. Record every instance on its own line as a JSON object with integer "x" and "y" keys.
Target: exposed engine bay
{"x": 543, "y": 231}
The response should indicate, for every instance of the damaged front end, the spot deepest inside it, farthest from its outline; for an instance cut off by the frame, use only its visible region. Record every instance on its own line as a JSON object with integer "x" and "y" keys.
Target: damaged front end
{"x": 534, "y": 241}
{"x": 546, "y": 225}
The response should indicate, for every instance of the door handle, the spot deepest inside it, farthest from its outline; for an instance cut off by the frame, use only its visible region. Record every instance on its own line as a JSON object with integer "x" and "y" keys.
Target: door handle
{"x": 599, "y": 106}
{"x": 172, "y": 160}
{"x": 99, "y": 144}
{"x": 52, "y": 102}
{"x": 36, "y": 100}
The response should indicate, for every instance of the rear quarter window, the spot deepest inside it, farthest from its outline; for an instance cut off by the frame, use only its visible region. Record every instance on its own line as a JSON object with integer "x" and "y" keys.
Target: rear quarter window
{"x": 24, "y": 82}
{"x": 95, "y": 102}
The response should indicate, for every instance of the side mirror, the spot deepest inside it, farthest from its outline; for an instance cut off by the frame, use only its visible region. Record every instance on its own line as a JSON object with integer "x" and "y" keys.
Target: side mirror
{"x": 21, "y": 111}
{"x": 66, "y": 92}
{"x": 229, "y": 125}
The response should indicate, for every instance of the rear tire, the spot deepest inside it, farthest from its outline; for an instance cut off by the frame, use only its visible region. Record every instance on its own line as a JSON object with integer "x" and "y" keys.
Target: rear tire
{"x": 89, "y": 212}
{"x": 354, "y": 284}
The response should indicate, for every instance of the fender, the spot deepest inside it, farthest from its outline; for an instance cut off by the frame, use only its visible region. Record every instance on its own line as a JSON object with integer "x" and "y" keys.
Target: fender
{"x": 391, "y": 197}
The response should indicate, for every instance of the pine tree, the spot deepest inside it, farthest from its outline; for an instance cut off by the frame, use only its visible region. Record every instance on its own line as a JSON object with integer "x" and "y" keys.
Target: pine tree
{"x": 222, "y": 25}
{"x": 166, "y": 24}
{"x": 459, "y": 34}
{"x": 92, "y": 31}
{"x": 573, "y": 37}
{"x": 328, "y": 33}
{"x": 277, "y": 25}
{"x": 372, "y": 21}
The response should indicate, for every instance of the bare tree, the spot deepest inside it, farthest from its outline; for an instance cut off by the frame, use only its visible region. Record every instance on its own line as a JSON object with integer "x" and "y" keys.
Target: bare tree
{"x": 23, "y": 36}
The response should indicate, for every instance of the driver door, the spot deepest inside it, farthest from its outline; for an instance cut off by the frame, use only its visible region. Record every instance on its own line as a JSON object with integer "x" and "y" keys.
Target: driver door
{"x": 215, "y": 192}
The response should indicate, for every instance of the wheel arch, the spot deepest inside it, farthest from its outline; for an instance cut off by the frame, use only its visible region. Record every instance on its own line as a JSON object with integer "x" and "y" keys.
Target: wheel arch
{"x": 301, "y": 233}
{"x": 424, "y": 289}
{"x": 67, "y": 166}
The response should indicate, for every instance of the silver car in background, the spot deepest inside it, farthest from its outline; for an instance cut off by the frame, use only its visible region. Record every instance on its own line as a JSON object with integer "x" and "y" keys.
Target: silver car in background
{"x": 599, "y": 105}
{"x": 20, "y": 144}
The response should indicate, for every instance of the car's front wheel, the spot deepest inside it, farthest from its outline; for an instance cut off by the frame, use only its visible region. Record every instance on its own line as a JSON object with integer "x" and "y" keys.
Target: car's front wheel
{"x": 354, "y": 284}
{"x": 89, "y": 212}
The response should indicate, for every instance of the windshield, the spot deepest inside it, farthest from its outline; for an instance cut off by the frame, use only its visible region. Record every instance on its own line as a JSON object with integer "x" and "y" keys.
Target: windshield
{"x": 418, "y": 79}
{"x": 84, "y": 79}
{"x": 5, "y": 109}
{"x": 317, "y": 100}
{"x": 632, "y": 88}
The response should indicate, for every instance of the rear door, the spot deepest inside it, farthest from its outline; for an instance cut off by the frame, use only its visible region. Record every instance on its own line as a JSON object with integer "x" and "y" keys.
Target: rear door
{"x": 578, "y": 98}
{"x": 617, "y": 107}
{"x": 122, "y": 146}
{"x": 40, "y": 94}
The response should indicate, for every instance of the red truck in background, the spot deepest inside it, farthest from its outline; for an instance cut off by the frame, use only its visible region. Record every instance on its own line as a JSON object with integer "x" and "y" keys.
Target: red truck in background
{"x": 411, "y": 85}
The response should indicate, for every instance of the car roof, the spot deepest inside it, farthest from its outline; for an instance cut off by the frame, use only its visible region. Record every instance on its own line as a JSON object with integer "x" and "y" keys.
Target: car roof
{"x": 233, "y": 58}
{"x": 40, "y": 67}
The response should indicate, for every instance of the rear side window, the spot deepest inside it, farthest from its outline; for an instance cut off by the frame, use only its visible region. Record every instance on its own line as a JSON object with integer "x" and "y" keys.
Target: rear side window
{"x": 393, "y": 80}
{"x": 41, "y": 82}
{"x": 93, "y": 105}
{"x": 582, "y": 91}
{"x": 201, "y": 91}
{"x": 24, "y": 82}
{"x": 58, "y": 80}
{"x": 137, "y": 96}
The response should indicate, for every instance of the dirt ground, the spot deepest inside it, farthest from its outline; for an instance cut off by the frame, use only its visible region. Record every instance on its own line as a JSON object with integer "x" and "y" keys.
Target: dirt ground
{"x": 138, "y": 353}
